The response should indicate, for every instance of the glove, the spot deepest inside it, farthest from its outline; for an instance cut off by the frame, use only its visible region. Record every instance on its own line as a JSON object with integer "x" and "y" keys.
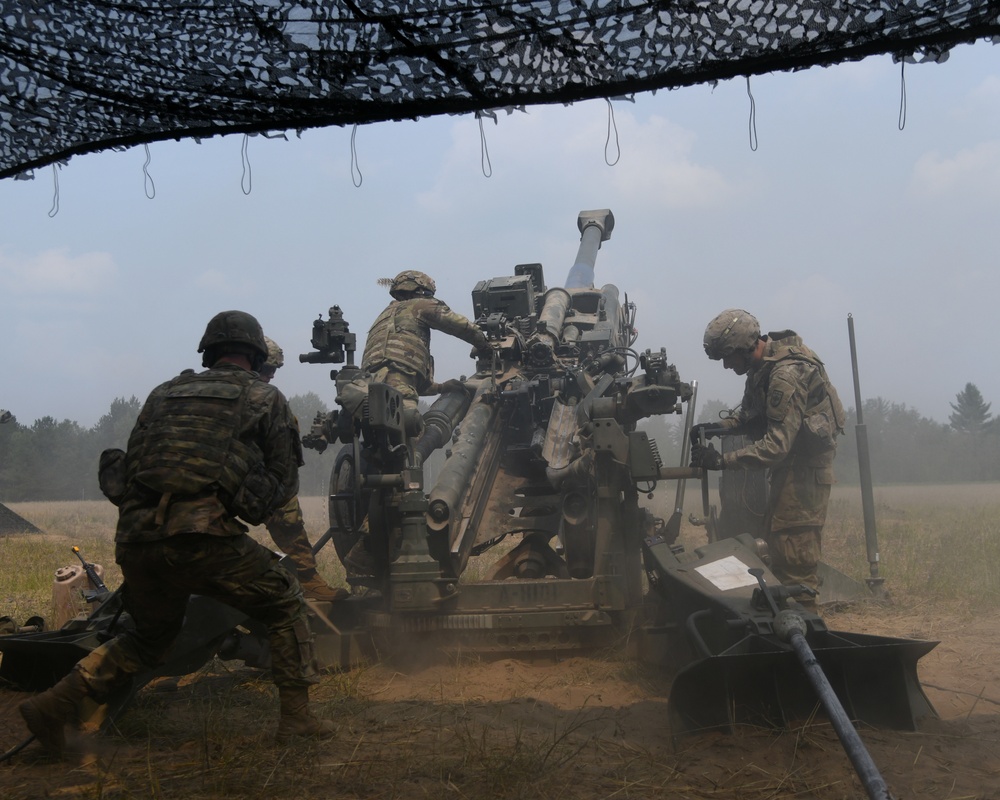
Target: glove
{"x": 711, "y": 429}
{"x": 452, "y": 385}
{"x": 706, "y": 457}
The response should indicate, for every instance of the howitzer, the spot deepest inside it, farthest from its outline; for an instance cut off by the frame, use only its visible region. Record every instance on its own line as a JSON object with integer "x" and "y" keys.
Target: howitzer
{"x": 539, "y": 483}
{"x": 541, "y": 454}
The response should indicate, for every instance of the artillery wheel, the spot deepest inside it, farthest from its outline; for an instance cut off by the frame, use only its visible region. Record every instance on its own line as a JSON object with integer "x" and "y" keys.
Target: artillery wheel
{"x": 348, "y": 506}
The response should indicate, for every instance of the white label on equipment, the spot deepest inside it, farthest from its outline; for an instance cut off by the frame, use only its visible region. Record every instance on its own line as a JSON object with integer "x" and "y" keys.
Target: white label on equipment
{"x": 727, "y": 573}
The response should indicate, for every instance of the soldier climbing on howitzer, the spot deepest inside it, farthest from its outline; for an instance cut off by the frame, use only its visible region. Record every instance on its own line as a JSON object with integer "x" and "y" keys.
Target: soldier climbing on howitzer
{"x": 397, "y": 353}
{"x": 792, "y": 414}
{"x": 286, "y": 525}
{"x": 398, "y": 348}
{"x": 209, "y": 451}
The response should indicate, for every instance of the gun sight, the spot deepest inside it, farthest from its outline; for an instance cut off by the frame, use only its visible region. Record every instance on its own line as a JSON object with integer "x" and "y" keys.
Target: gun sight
{"x": 332, "y": 340}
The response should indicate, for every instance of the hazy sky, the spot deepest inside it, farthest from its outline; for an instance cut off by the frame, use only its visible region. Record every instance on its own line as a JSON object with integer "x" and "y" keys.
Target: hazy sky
{"x": 836, "y": 212}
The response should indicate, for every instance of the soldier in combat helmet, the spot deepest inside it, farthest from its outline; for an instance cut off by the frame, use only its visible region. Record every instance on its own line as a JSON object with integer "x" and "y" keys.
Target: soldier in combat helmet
{"x": 286, "y": 525}
{"x": 398, "y": 348}
{"x": 208, "y": 450}
{"x": 792, "y": 415}
{"x": 398, "y": 353}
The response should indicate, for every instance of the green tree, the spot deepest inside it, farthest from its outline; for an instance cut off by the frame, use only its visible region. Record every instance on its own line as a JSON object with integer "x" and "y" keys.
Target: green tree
{"x": 971, "y": 412}
{"x": 113, "y": 429}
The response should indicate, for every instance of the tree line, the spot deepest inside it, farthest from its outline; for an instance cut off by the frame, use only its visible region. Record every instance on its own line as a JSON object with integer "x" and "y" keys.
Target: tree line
{"x": 53, "y": 460}
{"x": 904, "y": 446}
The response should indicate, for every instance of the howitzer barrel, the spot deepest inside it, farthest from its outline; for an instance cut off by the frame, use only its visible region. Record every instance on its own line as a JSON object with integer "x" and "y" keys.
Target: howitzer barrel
{"x": 440, "y": 420}
{"x": 595, "y": 227}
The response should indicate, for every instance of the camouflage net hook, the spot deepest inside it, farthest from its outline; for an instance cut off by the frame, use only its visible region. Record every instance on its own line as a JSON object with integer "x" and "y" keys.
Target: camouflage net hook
{"x": 147, "y": 180}
{"x": 355, "y": 167}
{"x": 612, "y": 125}
{"x": 246, "y": 181}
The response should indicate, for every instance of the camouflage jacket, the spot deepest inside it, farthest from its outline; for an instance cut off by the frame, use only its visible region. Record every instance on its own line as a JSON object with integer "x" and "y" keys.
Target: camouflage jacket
{"x": 790, "y": 410}
{"x": 401, "y": 336}
{"x": 205, "y": 448}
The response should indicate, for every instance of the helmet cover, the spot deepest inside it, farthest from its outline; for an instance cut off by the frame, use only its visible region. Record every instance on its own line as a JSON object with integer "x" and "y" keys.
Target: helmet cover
{"x": 412, "y": 281}
{"x": 275, "y": 355}
{"x": 731, "y": 331}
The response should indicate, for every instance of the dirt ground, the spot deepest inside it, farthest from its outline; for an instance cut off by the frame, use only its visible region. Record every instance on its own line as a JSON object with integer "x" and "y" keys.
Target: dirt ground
{"x": 574, "y": 728}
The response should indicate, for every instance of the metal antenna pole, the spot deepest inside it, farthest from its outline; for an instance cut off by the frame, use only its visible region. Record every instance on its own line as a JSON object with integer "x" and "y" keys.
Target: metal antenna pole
{"x": 865, "y": 472}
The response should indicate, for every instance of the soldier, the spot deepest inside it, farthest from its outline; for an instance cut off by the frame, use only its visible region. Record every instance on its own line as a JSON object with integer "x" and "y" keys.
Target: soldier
{"x": 398, "y": 352}
{"x": 398, "y": 348}
{"x": 286, "y": 526}
{"x": 792, "y": 414}
{"x": 207, "y": 449}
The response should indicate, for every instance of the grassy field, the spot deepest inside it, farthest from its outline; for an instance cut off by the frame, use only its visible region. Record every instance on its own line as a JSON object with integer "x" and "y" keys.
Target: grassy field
{"x": 925, "y": 534}
{"x": 580, "y": 728}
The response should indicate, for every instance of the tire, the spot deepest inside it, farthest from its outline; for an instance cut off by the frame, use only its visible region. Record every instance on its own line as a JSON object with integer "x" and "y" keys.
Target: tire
{"x": 347, "y": 505}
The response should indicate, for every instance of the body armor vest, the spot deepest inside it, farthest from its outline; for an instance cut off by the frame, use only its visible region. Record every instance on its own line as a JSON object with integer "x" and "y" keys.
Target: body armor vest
{"x": 824, "y": 417}
{"x": 398, "y": 337}
{"x": 191, "y": 442}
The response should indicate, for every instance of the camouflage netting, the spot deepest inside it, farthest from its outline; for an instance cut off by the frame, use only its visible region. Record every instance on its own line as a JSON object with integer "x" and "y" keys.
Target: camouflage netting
{"x": 84, "y": 75}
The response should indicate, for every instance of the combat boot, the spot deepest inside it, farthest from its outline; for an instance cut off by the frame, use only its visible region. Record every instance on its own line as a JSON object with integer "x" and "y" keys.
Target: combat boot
{"x": 46, "y": 714}
{"x": 360, "y": 563}
{"x": 315, "y": 588}
{"x": 297, "y": 721}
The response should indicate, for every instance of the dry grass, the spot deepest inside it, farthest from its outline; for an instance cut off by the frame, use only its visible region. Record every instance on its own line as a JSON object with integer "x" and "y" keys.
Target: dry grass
{"x": 936, "y": 543}
{"x": 552, "y": 733}
{"x": 925, "y": 535}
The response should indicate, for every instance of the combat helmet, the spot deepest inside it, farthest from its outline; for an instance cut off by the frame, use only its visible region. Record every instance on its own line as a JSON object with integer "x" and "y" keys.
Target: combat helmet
{"x": 411, "y": 281}
{"x": 732, "y": 331}
{"x": 238, "y": 329}
{"x": 275, "y": 355}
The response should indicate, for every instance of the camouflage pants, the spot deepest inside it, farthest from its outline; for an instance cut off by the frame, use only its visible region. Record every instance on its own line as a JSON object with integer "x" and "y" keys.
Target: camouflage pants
{"x": 161, "y": 575}
{"x": 799, "y": 497}
{"x": 795, "y": 554}
{"x": 288, "y": 531}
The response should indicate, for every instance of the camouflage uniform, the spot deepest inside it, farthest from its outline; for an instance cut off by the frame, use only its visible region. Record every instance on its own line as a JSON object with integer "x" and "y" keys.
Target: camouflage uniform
{"x": 792, "y": 414}
{"x": 287, "y": 529}
{"x": 286, "y": 526}
{"x": 207, "y": 448}
{"x": 397, "y": 351}
{"x": 175, "y": 539}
